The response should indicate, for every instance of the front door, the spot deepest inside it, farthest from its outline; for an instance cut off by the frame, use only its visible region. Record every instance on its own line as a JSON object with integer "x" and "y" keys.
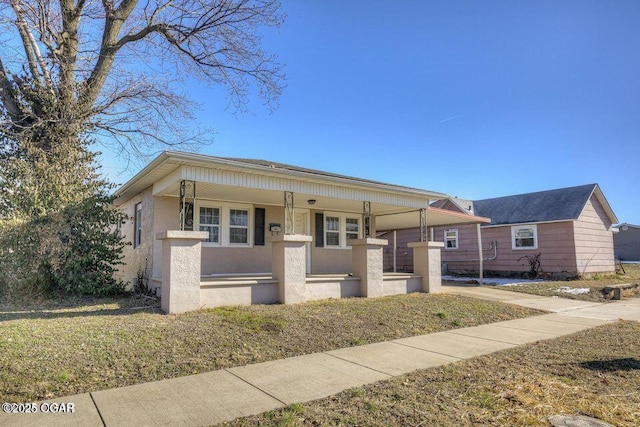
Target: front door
{"x": 301, "y": 226}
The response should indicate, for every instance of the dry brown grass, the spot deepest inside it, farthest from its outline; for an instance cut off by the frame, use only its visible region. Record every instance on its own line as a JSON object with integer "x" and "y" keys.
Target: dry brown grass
{"x": 56, "y": 349}
{"x": 594, "y": 284}
{"x": 594, "y": 372}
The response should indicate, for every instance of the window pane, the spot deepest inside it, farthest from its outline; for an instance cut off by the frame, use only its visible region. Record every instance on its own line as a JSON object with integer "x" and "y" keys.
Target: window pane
{"x": 524, "y": 232}
{"x": 332, "y": 223}
{"x": 352, "y": 225}
{"x": 239, "y": 217}
{"x": 351, "y": 236}
{"x": 333, "y": 239}
{"x": 451, "y": 243}
{"x": 525, "y": 243}
{"x": 214, "y": 235}
{"x": 210, "y": 216}
{"x": 238, "y": 235}
{"x": 137, "y": 226}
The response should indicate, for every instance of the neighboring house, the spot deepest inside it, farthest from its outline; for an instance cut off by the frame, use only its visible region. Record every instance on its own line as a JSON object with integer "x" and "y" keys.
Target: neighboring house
{"x": 626, "y": 242}
{"x": 209, "y": 231}
{"x": 571, "y": 229}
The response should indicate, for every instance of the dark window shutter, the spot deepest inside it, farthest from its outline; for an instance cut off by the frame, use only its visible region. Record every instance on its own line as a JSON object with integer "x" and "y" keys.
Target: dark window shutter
{"x": 259, "y": 227}
{"x": 319, "y": 230}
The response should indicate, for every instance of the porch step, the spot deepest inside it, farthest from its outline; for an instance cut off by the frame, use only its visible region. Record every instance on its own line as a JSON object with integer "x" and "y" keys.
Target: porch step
{"x": 219, "y": 281}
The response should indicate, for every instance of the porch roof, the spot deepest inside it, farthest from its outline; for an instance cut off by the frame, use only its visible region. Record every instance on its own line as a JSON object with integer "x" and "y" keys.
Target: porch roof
{"x": 263, "y": 182}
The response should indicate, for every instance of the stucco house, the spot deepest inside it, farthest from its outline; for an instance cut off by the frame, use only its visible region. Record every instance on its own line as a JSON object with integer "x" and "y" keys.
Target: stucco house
{"x": 571, "y": 229}
{"x": 209, "y": 231}
{"x": 626, "y": 242}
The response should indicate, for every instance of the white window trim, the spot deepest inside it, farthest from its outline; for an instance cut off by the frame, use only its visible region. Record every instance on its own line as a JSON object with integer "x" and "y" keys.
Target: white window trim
{"x": 342, "y": 228}
{"x": 513, "y": 237}
{"x": 228, "y": 226}
{"x": 454, "y": 230}
{"x": 225, "y": 225}
{"x": 196, "y": 221}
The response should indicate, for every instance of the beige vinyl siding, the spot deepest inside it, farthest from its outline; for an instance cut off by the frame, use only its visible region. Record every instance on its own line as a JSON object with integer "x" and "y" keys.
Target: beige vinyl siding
{"x": 594, "y": 240}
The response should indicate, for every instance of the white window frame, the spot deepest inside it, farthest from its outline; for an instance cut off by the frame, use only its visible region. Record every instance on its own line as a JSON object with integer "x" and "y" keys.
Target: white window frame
{"x": 514, "y": 230}
{"x": 229, "y": 226}
{"x": 350, "y": 232}
{"x": 446, "y": 239}
{"x": 342, "y": 229}
{"x": 327, "y": 231}
{"x": 219, "y": 225}
{"x": 225, "y": 223}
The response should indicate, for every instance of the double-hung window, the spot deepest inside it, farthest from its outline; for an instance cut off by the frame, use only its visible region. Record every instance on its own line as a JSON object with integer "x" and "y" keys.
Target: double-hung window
{"x": 451, "y": 239}
{"x": 339, "y": 229}
{"x": 332, "y": 231}
{"x": 238, "y": 226}
{"x": 227, "y": 224}
{"x": 524, "y": 237}
{"x": 210, "y": 222}
{"x": 352, "y": 228}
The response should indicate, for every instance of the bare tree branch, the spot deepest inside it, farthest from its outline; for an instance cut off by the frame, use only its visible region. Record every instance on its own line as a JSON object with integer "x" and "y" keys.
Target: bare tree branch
{"x": 101, "y": 65}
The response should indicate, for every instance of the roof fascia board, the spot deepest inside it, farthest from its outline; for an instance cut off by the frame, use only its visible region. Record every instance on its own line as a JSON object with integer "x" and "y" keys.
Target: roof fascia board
{"x": 605, "y": 204}
{"x": 461, "y": 215}
{"x": 528, "y": 223}
{"x": 169, "y": 180}
{"x": 162, "y": 157}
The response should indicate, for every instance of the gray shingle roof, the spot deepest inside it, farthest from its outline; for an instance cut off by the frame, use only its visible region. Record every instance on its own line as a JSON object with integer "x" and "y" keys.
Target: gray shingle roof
{"x": 541, "y": 206}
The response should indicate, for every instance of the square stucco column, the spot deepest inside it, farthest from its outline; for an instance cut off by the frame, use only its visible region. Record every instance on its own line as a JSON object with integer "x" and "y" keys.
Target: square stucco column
{"x": 289, "y": 266}
{"x": 367, "y": 263}
{"x": 426, "y": 263}
{"x": 181, "y": 270}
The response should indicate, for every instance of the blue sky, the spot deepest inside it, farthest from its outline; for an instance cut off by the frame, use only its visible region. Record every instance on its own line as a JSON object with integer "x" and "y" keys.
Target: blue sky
{"x": 476, "y": 99}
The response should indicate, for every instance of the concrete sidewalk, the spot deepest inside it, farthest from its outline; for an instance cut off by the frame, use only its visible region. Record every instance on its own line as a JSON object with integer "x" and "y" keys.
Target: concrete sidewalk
{"x": 224, "y": 395}
{"x": 627, "y": 309}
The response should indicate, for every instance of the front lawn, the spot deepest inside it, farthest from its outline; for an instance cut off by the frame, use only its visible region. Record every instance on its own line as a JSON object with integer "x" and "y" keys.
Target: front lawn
{"x": 584, "y": 289}
{"x": 50, "y": 350}
{"x": 593, "y": 373}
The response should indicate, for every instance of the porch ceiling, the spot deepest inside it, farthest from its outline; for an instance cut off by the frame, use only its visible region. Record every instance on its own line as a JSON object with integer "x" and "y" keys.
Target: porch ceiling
{"x": 387, "y": 216}
{"x": 228, "y": 193}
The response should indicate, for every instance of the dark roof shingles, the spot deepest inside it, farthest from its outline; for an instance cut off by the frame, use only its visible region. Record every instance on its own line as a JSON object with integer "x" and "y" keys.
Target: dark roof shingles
{"x": 551, "y": 205}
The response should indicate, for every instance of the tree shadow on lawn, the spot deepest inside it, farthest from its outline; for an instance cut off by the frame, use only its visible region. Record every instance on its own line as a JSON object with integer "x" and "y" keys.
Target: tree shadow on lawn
{"x": 613, "y": 365}
{"x": 78, "y": 307}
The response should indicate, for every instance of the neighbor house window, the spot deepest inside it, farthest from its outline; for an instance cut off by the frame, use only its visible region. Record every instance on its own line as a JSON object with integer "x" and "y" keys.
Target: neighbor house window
{"x": 524, "y": 237}
{"x": 332, "y": 231}
{"x": 451, "y": 239}
{"x": 210, "y": 222}
{"x": 238, "y": 226}
{"x": 137, "y": 225}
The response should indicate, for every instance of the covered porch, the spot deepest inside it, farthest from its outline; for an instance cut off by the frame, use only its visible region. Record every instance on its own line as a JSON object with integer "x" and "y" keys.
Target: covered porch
{"x": 238, "y": 231}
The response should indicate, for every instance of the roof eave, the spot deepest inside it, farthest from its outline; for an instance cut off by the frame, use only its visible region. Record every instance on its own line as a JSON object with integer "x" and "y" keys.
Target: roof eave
{"x": 207, "y": 161}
